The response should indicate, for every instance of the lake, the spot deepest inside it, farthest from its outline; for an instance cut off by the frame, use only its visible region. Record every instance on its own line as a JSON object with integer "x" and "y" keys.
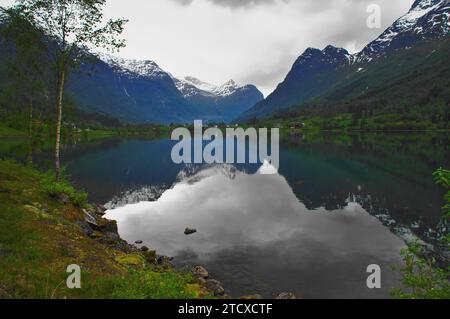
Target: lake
{"x": 339, "y": 203}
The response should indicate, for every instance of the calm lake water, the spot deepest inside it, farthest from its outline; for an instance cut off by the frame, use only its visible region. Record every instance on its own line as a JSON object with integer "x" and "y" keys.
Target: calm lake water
{"x": 338, "y": 204}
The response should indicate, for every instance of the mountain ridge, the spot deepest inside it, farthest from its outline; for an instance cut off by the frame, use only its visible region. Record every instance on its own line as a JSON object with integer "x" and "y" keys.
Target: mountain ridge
{"x": 139, "y": 91}
{"x": 316, "y": 71}
{"x": 219, "y": 103}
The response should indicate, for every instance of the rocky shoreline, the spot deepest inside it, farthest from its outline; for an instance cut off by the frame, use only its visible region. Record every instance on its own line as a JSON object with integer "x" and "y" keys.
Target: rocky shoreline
{"x": 105, "y": 231}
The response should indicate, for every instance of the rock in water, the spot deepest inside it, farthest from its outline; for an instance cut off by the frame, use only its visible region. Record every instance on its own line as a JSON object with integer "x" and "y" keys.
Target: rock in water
{"x": 200, "y": 272}
{"x": 190, "y": 231}
{"x": 138, "y": 242}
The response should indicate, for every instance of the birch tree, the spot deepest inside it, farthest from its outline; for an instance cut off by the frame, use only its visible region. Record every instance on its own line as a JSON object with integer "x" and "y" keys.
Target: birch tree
{"x": 71, "y": 29}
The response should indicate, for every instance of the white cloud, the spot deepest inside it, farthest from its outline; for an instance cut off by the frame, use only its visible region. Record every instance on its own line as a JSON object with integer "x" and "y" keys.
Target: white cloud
{"x": 251, "y": 41}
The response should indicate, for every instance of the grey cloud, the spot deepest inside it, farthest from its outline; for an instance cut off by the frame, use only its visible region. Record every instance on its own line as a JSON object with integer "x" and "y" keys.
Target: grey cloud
{"x": 264, "y": 78}
{"x": 241, "y": 3}
{"x": 233, "y": 3}
{"x": 183, "y": 2}
{"x": 353, "y": 28}
{"x": 309, "y": 23}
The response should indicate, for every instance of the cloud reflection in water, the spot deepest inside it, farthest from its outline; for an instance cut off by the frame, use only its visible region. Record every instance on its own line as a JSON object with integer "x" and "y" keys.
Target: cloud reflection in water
{"x": 256, "y": 236}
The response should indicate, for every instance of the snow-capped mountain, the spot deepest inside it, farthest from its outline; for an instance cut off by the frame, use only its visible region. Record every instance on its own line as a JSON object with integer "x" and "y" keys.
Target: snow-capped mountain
{"x": 227, "y": 88}
{"x": 219, "y": 103}
{"x": 427, "y": 19}
{"x": 140, "y": 91}
{"x": 130, "y": 90}
{"x": 134, "y": 68}
{"x": 316, "y": 71}
{"x": 190, "y": 86}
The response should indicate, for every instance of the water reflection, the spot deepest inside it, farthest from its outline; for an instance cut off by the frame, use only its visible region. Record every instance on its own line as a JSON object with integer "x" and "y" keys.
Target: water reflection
{"x": 255, "y": 235}
{"x": 336, "y": 196}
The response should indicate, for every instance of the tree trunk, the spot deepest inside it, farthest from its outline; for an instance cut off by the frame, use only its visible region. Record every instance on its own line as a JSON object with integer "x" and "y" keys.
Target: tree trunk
{"x": 30, "y": 118}
{"x": 30, "y": 132}
{"x": 59, "y": 97}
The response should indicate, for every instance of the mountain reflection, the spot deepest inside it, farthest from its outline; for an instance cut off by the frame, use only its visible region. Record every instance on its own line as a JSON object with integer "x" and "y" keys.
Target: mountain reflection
{"x": 254, "y": 232}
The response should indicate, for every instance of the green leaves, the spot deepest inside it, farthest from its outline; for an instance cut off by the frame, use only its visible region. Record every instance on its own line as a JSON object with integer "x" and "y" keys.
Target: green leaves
{"x": 74, "y": 27}
{"x": 420, "y": 277}
{"x": 442, "y": 177}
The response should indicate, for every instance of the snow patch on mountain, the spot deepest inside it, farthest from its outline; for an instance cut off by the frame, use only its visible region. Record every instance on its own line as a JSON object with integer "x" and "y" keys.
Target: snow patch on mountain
{"x": 207, "y": 87}
{"x": 191, "y": 86}
{"x": 133, "y": 68}
{"x": 227, "y": 88}
{"x": 418, "y": 10}
{"x": 425, "y": 19}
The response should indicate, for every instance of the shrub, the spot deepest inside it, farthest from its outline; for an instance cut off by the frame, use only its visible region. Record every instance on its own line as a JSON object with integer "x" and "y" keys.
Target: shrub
{"x": 421, "y": 278}
{"x": 58, "y": 189}
{"x": 150, "y": 284}
{"x": 442, "y": 177}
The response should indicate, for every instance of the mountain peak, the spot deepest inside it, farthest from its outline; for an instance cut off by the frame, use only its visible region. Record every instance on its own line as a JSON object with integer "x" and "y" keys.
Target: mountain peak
{"x": 333, "y": 49}
{"x": 227, "y": 88}
{"x": 317, "y": 71}
{"x": 311, "y": 51}
{"x": 219, "y": 103}
{"x": 230, "y": 82}
{"x": 133, "y": 67}
{"x": 199, "y": 84}
{"x": 425, "y": 4}
{"x": 427, "y": 19}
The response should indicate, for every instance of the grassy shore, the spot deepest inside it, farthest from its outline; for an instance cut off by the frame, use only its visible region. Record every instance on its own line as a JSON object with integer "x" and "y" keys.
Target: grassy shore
{"x": 7, "y": 131}
{"x": 43, "y": 230}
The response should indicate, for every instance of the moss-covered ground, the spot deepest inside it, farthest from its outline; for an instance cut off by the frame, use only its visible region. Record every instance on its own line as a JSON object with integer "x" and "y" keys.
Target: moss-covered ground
{"x": 41, "y": 235}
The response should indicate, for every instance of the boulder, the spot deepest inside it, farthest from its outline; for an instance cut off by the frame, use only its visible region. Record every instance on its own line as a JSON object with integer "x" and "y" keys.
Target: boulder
{"x": 164, "y": 262}
{"x": 138, "y": 242}
{"x": 215, "y": 286}
{"x": 286, "y": 295}
{"x": 90, "y": 218}
{"x": 150, "y": 256}
{"x": 190, "y": 231}
{"x": 100, "y": 210}
{"x": 200, "y": 272}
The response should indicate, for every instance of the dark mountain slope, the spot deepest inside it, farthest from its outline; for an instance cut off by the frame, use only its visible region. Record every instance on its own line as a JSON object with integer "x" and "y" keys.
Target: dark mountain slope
{"x": 316, "y": 72}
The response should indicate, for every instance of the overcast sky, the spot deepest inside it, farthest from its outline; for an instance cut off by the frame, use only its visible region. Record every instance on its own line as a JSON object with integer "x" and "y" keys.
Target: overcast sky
{"x": 250, "y": 41}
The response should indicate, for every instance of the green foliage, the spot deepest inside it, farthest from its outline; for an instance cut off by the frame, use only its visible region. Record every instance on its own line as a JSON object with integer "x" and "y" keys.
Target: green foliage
{"x": 405, "y": 90}
{"x": 7, "y": 130}
{"x": 34, "y": 255}
{"x": 63, "y": 188}
{"x": 150, "y": 284}
{"x": 442, "y": 177}
{"x": 26, "y": 68}
{"x": 73, "y": 27}
{"x": 420, "y": 277}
